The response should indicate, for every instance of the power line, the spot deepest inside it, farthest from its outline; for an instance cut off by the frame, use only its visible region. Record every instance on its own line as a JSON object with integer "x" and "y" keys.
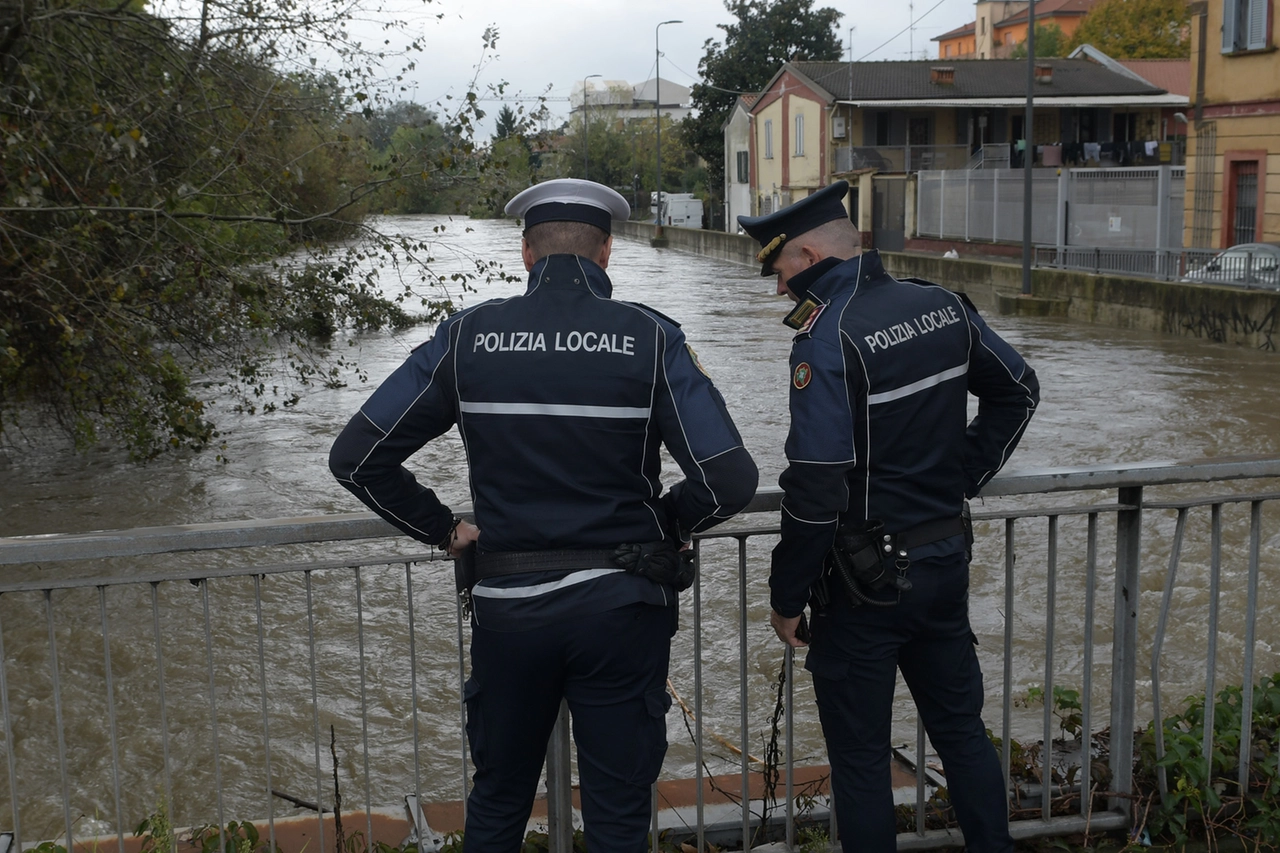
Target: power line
{"x": 901, "y": 31}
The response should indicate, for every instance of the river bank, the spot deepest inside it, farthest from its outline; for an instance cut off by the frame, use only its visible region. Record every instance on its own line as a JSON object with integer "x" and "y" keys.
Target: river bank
{"x": 1231, "y": 315}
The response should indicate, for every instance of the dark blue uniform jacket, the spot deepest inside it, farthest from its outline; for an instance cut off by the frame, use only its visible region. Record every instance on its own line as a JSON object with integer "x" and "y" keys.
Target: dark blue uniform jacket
{"x": 563, "y": 397}
{"x": 880, "y": 379}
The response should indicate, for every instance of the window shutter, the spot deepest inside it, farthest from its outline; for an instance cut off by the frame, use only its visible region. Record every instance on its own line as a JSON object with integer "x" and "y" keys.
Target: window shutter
{"x": 1256, "y": 32}
{"x": 1230, "y": 24}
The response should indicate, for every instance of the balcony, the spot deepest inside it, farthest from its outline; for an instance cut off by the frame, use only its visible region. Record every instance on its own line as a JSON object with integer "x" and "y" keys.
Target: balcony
{"x": 900, "y": 158}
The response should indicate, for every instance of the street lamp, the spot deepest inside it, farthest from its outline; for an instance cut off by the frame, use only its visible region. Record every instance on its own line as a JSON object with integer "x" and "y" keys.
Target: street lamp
{"x": 657, "y": 114}
{"x": 586, "y": 172}
{"x": 1028, "y": 149}
{"x": 848, "y": 128}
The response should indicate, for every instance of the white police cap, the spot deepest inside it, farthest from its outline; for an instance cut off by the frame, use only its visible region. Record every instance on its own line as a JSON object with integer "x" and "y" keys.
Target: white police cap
{"x": 569, "y": 200}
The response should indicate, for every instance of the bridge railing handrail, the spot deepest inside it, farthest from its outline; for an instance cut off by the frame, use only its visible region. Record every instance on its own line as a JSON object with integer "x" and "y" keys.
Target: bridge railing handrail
{"x": 365, "y": 525}
{"x": 1124, "y": 499}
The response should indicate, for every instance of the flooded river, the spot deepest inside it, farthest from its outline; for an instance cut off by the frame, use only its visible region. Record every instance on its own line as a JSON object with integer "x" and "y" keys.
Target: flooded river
{"x": 1108, "y": 396}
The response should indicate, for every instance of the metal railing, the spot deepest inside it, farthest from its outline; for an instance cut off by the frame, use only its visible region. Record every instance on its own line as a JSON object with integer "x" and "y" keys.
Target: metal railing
{"x": 990, "y": 156}
{"x": 1253, "y": 268}
{"x": 131, "y": 682}
{"x": 900, "y": 158}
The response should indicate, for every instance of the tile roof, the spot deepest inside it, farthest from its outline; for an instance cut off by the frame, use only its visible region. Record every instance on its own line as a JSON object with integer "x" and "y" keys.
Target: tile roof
{"x": 974, "y": 78}
{"x": 966, "y": 30}
{"x": 1050, "y": 9}
{"x": 1172, "y": 75}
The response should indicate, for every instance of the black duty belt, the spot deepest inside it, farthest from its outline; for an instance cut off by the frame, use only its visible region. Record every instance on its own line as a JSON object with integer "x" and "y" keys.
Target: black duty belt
{"x": 492, "y": 564}
{"x": 928, "y": 532}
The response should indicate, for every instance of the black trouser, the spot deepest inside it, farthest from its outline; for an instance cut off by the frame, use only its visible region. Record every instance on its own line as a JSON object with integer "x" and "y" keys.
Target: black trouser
{"x": 854, "y": 657}
{"x": 611, "y": 667}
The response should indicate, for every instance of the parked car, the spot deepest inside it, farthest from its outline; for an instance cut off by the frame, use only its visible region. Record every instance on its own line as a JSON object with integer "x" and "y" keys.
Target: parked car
{"x": 1249, "y": 264}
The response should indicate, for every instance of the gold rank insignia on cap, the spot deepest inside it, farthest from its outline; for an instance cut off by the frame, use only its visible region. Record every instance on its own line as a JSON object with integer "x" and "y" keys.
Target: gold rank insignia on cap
{"x": 801, "y": 313}
{"x": 770, "y": 246}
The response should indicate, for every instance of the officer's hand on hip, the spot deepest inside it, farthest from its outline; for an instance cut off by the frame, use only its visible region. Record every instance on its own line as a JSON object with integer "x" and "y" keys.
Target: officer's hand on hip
{"x": 786, "y": 627}
{"x": 464, "y": 535}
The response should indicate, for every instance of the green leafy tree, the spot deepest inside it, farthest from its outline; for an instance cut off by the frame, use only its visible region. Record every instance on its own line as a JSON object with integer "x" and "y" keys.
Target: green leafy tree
{"x": 1050, "y": 41}
{"x": 507, "y": 124}
{"x": 1137, "y": 29}
{"x": 166, "y": 188}
{"x": 764, "y": 35}
{"x": 382, "y": 123}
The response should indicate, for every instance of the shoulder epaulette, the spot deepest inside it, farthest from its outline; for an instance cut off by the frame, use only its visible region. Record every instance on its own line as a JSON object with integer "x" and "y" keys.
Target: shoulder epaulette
{"x": 964, "y": 297}
{"x": 652, "y": 311}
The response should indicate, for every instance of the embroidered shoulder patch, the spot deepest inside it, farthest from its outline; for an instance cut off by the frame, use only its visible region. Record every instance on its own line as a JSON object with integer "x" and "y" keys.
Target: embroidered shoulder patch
{"x": 802, "y": 375}
{"x": 696, "y": 363}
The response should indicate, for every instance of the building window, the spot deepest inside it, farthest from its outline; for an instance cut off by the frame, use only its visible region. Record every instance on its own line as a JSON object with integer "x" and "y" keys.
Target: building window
{"x": 800, "y": 135}
{"x": 1242, "y": 202}
{"x": 744, "y": 167}
{"x": 946, "y": 51}
{"x": 768, "y": 139}
{"x": 1246, "y": 25}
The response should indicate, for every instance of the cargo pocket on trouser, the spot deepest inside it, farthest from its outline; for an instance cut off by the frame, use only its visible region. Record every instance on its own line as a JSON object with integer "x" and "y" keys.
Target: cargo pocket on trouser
{"x": 657, "y": 702}
{"x": 475, "y": 728}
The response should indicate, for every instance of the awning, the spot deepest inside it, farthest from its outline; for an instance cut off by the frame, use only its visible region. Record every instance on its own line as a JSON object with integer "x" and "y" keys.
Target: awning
{"x": 1165, "y": 100}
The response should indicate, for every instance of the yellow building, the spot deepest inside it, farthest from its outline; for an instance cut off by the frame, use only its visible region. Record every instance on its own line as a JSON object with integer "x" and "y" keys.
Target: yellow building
{"x": 1233, "y": 154}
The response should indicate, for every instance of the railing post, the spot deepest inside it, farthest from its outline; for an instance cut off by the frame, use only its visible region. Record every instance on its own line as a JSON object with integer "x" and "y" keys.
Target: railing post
{"x": 1164, "y": 180}
{"x": 1124, "y": 648}
{"x": 1064, "y": 193}
{"x": 559, "y": 788}
{"x": 995, "y": 205}
{"x": 942, "y": 202}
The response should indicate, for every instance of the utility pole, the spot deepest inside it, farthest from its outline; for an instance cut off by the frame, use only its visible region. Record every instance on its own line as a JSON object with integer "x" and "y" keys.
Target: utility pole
{"x": 1028, "y": 150}
{"x": 848, "y": 113}
{"x": 657, "y": 114}
{"x": 586, "y": 136}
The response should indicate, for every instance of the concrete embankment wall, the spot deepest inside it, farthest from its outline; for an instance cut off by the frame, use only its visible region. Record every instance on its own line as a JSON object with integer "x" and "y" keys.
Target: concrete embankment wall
{"x": 1224, "y": 314}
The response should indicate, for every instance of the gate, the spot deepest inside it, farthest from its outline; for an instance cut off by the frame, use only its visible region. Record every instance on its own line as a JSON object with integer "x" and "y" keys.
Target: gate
{"x": 888, "y": 213}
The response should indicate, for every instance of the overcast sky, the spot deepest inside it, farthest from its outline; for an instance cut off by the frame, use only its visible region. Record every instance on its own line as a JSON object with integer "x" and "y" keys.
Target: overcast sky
{"x": 549, "y": 47}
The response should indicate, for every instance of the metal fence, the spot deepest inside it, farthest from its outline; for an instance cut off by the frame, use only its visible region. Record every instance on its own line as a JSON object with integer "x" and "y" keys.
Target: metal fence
{"x": 1112, "y": 208}
{"x": 985, "y": 205}
{"x": 1238, "y": 267}
{"x": 191, "y": 669}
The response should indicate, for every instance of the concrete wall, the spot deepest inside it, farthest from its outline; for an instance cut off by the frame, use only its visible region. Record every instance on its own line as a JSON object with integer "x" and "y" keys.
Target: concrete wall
{"x": 712, "y": 244}
{"x": 1224, "y": 314}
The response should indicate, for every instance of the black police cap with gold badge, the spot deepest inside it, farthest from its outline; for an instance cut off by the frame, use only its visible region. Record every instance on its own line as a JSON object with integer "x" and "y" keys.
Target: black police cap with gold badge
{"x": 774, "y": 230}
{"x": 569, "y": 200}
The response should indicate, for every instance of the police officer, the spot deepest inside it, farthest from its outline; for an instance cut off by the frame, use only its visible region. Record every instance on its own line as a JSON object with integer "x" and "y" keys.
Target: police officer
{"x": 880, "y": 461}
{"x": 563, "y": 397}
